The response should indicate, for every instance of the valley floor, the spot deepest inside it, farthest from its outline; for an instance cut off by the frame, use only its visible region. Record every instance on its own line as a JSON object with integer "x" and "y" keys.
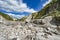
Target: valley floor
{"x": 11, "y": 30}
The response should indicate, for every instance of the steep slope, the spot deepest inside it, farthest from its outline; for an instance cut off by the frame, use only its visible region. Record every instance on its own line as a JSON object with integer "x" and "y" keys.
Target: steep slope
{"x": 54, "y": 5}
{"x": 49, "y": 9}
{"x": 7, "y": 17}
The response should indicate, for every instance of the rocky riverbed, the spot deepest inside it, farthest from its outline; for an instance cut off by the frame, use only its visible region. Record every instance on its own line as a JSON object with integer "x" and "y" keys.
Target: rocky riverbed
{"x": 39, "y": 29}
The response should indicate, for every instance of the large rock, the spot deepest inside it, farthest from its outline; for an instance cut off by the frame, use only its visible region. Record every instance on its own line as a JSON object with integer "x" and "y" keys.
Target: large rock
{"x": 38, "y": 21}
{"x": 47, "y": 19}
{"x": 43, "y": 21}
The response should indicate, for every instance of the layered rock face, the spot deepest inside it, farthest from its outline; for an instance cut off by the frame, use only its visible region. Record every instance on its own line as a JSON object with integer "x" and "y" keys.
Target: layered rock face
{"x": 48, "y": 30}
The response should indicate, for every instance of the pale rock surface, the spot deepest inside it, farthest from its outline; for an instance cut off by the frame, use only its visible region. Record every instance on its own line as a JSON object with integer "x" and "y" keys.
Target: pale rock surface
{"x": 13, "y": 30}
{"x": 29, "y": 18}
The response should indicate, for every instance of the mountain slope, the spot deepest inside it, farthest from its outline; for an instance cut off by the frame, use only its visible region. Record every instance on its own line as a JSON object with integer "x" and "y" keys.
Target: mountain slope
{"x": 49, "y": 8}
{"x": 22, "y": 19}
{"x": 7, "y": 17}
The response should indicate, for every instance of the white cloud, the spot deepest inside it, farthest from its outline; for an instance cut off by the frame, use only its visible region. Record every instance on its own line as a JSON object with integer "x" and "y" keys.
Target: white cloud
{"x": 14, "y": 15}
{"x": 47, "y": 2}
{"x": 14, "y": 5}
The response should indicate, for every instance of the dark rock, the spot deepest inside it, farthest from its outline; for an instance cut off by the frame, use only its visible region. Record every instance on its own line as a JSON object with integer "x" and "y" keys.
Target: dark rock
{"x": 14, "y": 39}
{"x": 38, "y": 21}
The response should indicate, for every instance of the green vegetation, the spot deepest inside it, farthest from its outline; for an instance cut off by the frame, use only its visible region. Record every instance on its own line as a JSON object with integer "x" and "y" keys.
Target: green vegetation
{"x": 57, "y": 16}
{"x": 51, "y": 9}
{"x": 54, "y": 14}
{"x": 46, "y": 10}
{"x": 7, "y": 17}
{"x": 22, "y": 19}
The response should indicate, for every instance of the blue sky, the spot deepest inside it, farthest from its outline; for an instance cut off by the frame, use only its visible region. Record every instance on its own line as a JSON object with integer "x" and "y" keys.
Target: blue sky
{"x": 21, "y": 8}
